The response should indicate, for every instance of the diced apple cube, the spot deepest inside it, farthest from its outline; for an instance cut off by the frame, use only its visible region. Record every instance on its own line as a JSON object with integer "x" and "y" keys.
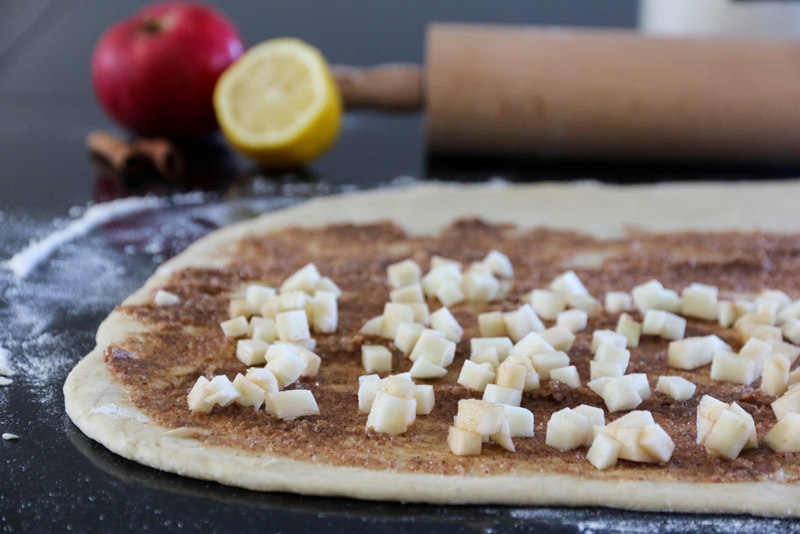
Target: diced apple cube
{"x": 511, "y": 375}
{"x": 629, "y": 328}
{"x": 286, "y": 364}
{"x": 730, "y": 367}
{"x": 304, "y": 279}
{"x": 271, "y": 307}
{"x": 726, "y": 313}
{"x": 251, "y": 351}
{"x": 294, "y": 300}
{"x": 503, "y": 436}
{"x": 433, "y": 346}
{"x": 708, "y": 411}
{"x": 674, "y": 327}
{"x": 391, "y": 414}
{"x": 693, "y": 352}
{"x": 764, "y": 332}
{"x": 480, "y": 286}
{"x": 566, "y": 375}
{"x": 491, "y": 324}
{"x": 775, "y": 375}
{"x": 403, "y": 273}
{"x": 494, "y": 393}
{"x": 634, "y": 419}
{"x": 257, "y": 294}
{"x": 399, "y": 385}
{"x": 292, "y": 326}
{"x": 440, "y": 261}
{"x": 790, "y": 351}
{"x": 620, "y": 394}
{"x": 601, "y": 369}
{"x": 532, "y": 343}
{"x": 547, "y": 304}
{"x": 249, "y": 393}
{"x": 641, "y": 383}
{"x": 407, "y": 336}
{"x": 587, "y": 303}
{"x": 165, "y": 298}
{"x": 502, "y": 345}
{"x": 376, "y": 359}
{"x": 657, "y": 443}
{"x": 367, "y": 389}
{"x": 236, "y": 327}
{"x": 520, "y": 421}
{"x": 573, "y": 320}
{"x": 239, "y": 307}
{"x": 324, "y": 312}
{"x": 450, "y": 293}
{"x": 630, "y": 447}
{"x": 424, "y": 395}
{"x": 785, "y": 435}
{"x": 373, "y": 326}
{"x": 326, "y": 284}
{"x": 440, "y": 276}
{"x": 790, "y": 311}
{"x": 752, "y": 438}
{"x": 607, "y": 337}
{"x": 475, "y": 376}
{"x": 567, "y": 430}
{"x": 676, "y": 387}
{"x": 598, "y": 384}
{"x": 499, "y": 264}
{"x": 653, "y": 322}
{"x": 789, "y": 402}
{"x": 443, "y": 321}
{"x": 197, "y": 397}
{"x": 289, "y": 405}
{"x": 648, "y": 296}
{"x": 421, "y": 312}
{"x": 424, "y": 368}
{"x": 700, "y": 300}
{"x": 395, "y": 313}
{"x": 221, "y": 391}
{"x": 791, "y": 330}
{"x": 728, "y": 436}
{"x": 544, "y": 362}
{"x": 559, "y": 337}
{"x": 478, "y": 416}
{"x": 618, "y": 301}
{"x": 463, "y": 442}
{"x": 613, "y": 354}
{"x": 568, "y": 283}
{"x": 521, "y": 322}
{"x": 486, "y": 356}
{"x": 263, "y": 329}
{"x": 604, "y": 451}
{"x": 263, "y": 378}
{"x": 596, "y": 418}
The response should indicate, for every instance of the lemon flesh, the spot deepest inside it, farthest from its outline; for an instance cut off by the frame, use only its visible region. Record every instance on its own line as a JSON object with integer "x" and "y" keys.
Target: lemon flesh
{"x": 279, "y": 104}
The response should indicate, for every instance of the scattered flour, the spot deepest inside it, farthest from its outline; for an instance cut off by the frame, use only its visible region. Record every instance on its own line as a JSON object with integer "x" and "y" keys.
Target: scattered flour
{"x": 9, "y": 436}
{"x": 5, "y": 364}
{"x": 5, "y": 381}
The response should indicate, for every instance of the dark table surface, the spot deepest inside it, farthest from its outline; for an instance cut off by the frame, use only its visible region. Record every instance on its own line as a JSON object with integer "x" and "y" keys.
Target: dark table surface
{"x": 82, "y": 255}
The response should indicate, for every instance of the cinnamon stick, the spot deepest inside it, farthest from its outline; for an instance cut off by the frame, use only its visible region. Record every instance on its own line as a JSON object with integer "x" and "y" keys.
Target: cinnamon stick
{"x": 142, "y": 156}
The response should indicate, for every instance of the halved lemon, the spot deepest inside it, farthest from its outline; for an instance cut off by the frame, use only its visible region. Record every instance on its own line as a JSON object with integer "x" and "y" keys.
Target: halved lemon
{"x": 278, "y": 103}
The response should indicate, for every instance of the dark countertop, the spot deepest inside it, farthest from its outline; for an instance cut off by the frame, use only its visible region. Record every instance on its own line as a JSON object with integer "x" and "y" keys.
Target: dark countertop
{"x": 57, "y": 480}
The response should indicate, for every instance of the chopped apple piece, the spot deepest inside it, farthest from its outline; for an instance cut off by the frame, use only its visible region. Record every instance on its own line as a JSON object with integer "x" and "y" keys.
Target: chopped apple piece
{"x": 391, "y": 414}
{"x": 292, "y": 326}
{"x": 491, "y": 324}
{"x": 486, "y": 356}
{"x": 657, "y": 443}
{"x": 604, "y": 451}
{"x": 700, "y": 301}
{"x": 676, "y": 387}
{"x": 251, "y": 351}
{"x": 775, "y": 375}
{"x": 587, "y": 303}
{"x": 263, "y": 329}
{"x": 197, "y": 398}
{"x": 764, "y": 332}
{"x": 376, "y": 359}
{"x": 289, "y": 405}
{"x": 503, "y": 436}
{"x": 407, "y": 336}
{"x": 520, "y": 421}
{"x": 409, "y": 293}
{"x": 544, "y": 362}
{"x": 441, "y": 276}
{"x": 257, "y": 294}
{"x": 221, "y": 391}
{"x": 791, "y": 330}
{"x": 463, "y": 442}
{"x": 598, "y": 384}
{"x": 263, "y": 378}
{"x": 708, "y": 411}
{"x": 499, "y": 264}
{"x": 608, "y": 337}
{"x": 480, "y": 286}
{"x": 568, "y": 283}
{"x": 731, "y": 367}
{"x": 573, "y": 320}
{"x": 249, "y": 393}
{"x": 165, "y": 298}
{"x": 433, "y": 346}
{"x": 511, "y": 375}
{"x": 395, "y": 313}
{"x": 424, "y": 395}
{"x": 595, "y": 417}
{"x": 726, "y": 313}
{"x": 494, "y": 393}
{"x": 403, "y": 273}
{"x": 367, "y": 389}
{"x": 532, "y": 343}
{"x": 502, "y": 345}
{"x": 559, "y": 337}
{"x": 630, "y": 329}
{"x": 792, "y": 352}
{"x": 547, "y": 304}
{"x": 613, "y": 354}
{"x": 440, "y": 261}
{"x": 790, "y": 311}
{"x": 285, "y": 363}
{"x": 480, "y": 417}
{"x": 693, "y": 352}
{"x": 566, "y": 375}
{"x": 789, "y": 402}
{"x": 665, "y": 324}
{"x": 421, "y": 312}
{"x": 600, "y": 369}
{"x": 373, "y": 327}
{"x": 443, "y": 321}
{"x": 304, "y": 279}
{"x": 648, "y": 296}
{"x": 618, "y": 301}
{"x": 294, "y": 300}
{"x": 785, "y": 435}
{"x": 567, "y": 430}
{"x": 728, "y": 436}
{"x": 450, "y": 293}
{"x": 239, "y": 307}
{"x": 621, "y": 394}
{"x": 324, "y": 312}
{"x": 630, "y": 446}
{"x": 521, "y": 322}
{"x": 236, "y": 327}
{"x": 326, "y": 284}
{"x": 271, "y": 307}
{"x": 425, "y": 368}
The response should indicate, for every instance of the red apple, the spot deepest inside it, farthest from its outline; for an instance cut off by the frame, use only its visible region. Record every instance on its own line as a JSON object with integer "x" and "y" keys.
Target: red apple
{"x": 155, "y": 71}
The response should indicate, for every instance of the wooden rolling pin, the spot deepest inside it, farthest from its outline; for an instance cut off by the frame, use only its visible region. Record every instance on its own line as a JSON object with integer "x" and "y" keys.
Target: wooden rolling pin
{"x": 528, "y": 91}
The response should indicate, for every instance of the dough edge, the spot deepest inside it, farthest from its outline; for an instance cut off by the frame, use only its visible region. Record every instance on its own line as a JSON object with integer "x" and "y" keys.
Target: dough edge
{"x": 103, "y": 410}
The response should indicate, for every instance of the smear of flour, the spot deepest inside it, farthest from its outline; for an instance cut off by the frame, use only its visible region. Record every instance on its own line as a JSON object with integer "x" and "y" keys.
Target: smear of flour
{"x": 5, "y": 364}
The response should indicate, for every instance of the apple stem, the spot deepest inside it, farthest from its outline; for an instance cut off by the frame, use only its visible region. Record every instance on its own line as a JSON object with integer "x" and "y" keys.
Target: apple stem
{"x": 153, "y": 26}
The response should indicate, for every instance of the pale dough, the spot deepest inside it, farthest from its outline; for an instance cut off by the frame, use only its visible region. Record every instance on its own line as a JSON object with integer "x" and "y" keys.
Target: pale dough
{"x": 102, "y": 409}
